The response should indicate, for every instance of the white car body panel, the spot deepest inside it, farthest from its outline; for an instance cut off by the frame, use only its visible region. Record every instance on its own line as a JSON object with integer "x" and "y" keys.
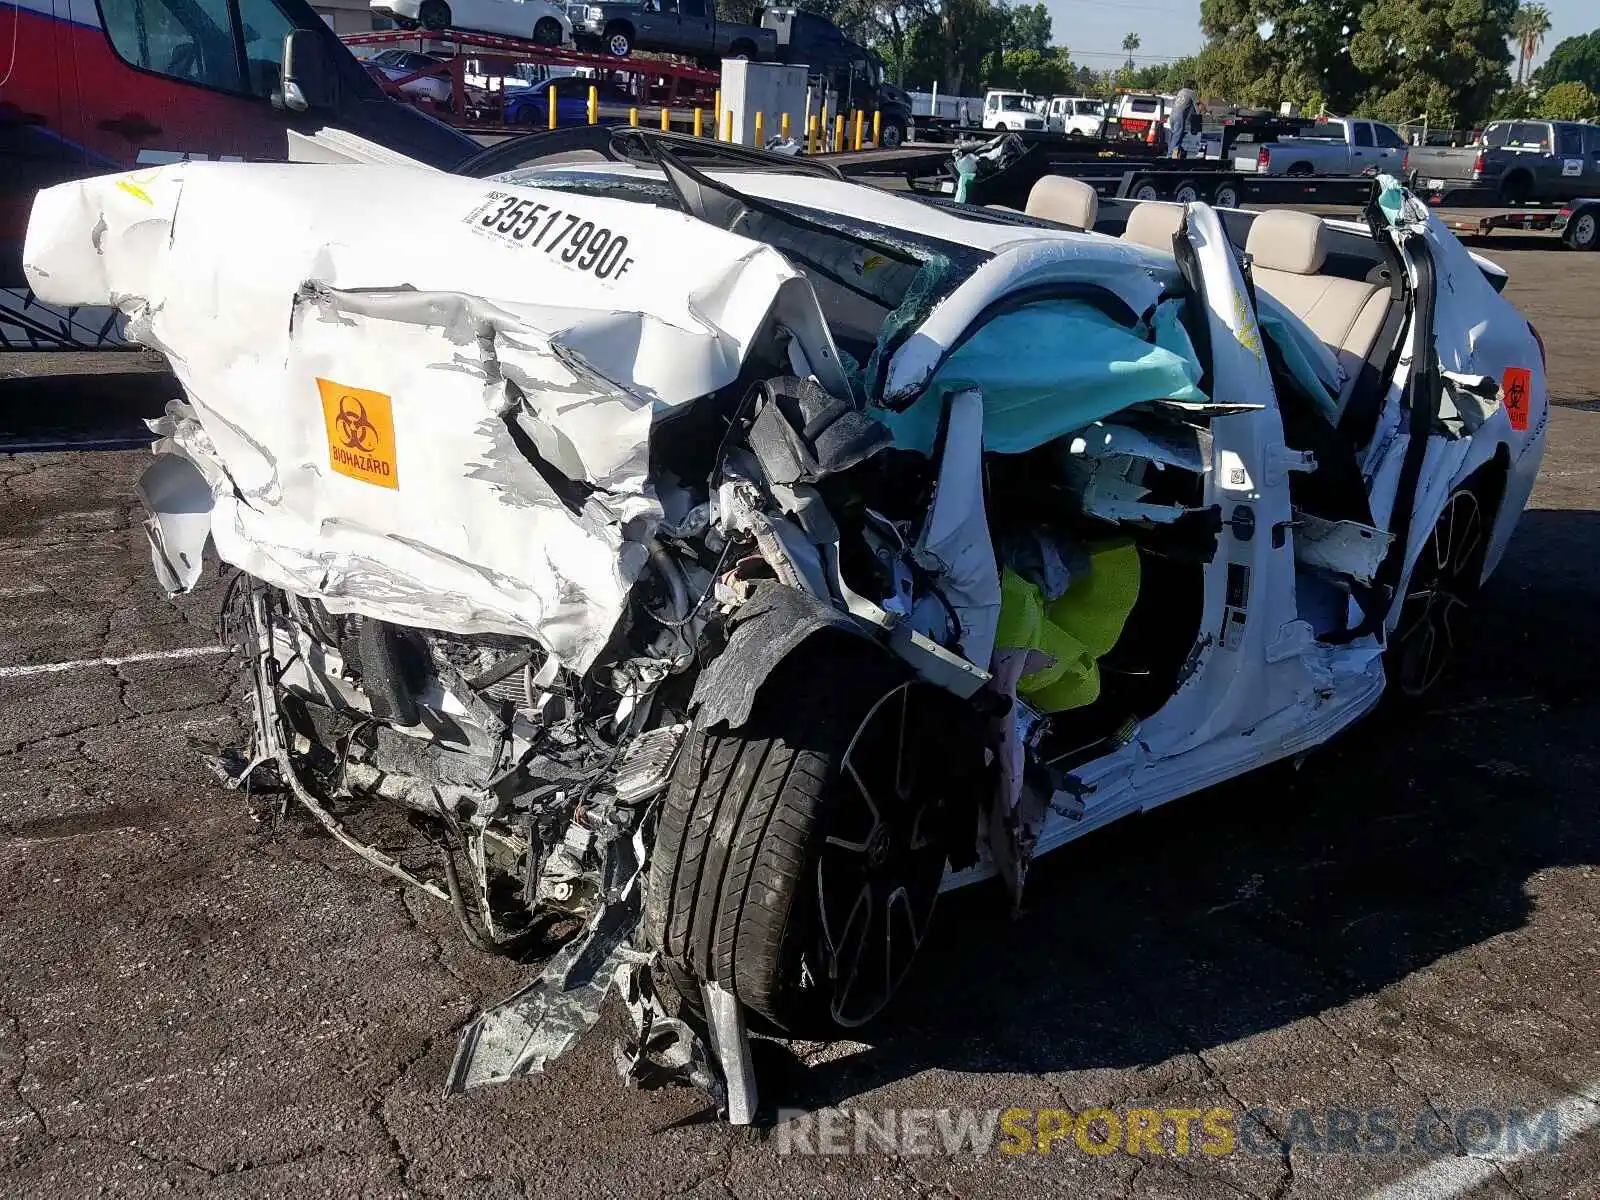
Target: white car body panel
{"x": 325, "y": 290}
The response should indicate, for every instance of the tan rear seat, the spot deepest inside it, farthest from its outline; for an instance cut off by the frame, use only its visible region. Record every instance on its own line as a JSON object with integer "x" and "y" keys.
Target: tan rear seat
{"x": 1067, "y": 201}
{"x": 1153, "y": 224}
{"x": 1288, "y": 249}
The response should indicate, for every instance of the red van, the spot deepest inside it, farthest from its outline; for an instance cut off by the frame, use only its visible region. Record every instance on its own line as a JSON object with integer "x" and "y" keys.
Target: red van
{"x": 89, "y": 86}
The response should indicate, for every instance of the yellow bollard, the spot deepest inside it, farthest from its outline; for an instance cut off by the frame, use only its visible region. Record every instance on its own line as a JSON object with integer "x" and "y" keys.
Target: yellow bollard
{"x": 716, "y": 113}
{"x": 761, "y": 139}
{"x": 877, "y": 129}
{"x": 594, "y": 105}
{"x": 666, "y": 120}
{"x": 860, "y": 119}
{"x": 822, "y": 135}
{"x": 783, "y": 127}
{"x": 838, "y": 134}
{"x": 552, "y": 95}
{"x": 633, "y": 117}
{"x": 727, "y": 126}
{"x": 699, "y": 122}
{"x": 811, "y": 134}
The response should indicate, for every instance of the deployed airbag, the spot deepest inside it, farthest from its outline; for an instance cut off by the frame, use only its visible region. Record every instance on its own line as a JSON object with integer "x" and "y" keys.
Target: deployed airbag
{"x": 1048, "y": 369}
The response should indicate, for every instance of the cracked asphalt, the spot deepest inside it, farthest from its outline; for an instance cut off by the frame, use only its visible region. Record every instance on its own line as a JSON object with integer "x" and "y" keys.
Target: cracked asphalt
{"x": 195, "y": 1003}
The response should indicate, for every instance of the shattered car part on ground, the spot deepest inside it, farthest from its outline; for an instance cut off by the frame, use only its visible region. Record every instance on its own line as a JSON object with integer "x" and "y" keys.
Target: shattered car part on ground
{"x": 716, "y": 558}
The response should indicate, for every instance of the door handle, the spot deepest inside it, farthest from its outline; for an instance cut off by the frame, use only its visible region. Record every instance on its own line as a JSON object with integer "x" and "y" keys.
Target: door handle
{"x": 136, "y": 127}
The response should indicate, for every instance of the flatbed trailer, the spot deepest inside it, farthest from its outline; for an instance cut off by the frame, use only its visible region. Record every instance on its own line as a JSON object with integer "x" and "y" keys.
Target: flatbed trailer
{"x": 1215, "y": 181}
{"x": 1577, "y": 221}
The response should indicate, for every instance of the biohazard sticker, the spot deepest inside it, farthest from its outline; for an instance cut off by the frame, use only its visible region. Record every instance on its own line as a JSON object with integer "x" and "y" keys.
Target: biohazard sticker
{"x": 1514, "y": 388}
{"x": 360, "y": 433}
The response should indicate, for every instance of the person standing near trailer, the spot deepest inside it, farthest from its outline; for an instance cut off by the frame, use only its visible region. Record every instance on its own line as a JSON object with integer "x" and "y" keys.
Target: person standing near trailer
{"x": 1185, "y": 118}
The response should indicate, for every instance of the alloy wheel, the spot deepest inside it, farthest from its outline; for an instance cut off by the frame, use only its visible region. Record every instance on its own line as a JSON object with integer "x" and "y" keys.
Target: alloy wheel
{"x": 1443, "y": 580}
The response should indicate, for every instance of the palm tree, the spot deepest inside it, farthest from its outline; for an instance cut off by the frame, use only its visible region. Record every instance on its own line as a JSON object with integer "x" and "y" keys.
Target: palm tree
{"x": 1130, "y": 43}
{"x": 1529, "y": 26}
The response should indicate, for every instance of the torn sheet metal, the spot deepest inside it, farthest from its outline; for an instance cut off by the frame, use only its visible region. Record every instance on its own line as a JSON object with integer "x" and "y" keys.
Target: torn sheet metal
{"x": 418, "y": 396}
{"x": 1166, "y": 444}
{"x": 1346, "y": 548}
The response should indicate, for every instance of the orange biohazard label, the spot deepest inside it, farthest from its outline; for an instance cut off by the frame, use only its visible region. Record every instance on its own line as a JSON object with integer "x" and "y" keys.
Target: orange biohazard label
{"x": 1514, "y": 388}
{"x": 360, "y": 433}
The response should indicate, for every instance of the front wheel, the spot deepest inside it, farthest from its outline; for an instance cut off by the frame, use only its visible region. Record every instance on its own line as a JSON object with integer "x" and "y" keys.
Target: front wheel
{"x": 892, "y": 135}
{"x": 798, "y": 858}
{"x": 1443, "y": 582}
{"x": 619, "y": 42}
{"x": 547, "y": 31}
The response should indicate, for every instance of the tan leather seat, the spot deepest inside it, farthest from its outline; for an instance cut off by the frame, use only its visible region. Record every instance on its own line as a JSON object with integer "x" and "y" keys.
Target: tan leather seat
{"x": 1067, "y": 201}
{"x": 1153, "y": 224}
{"x": 1288, "y": 250}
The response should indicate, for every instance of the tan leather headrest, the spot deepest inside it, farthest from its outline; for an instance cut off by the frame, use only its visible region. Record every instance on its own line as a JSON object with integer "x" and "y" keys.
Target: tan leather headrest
{"x": 1068, "y": 201}
{"x": 1281, "y": 240}
{"x": 1153, "y": 224}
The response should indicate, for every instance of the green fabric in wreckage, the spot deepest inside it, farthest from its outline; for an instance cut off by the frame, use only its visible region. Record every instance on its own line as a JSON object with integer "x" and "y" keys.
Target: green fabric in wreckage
{"x": 1050, "y": 368}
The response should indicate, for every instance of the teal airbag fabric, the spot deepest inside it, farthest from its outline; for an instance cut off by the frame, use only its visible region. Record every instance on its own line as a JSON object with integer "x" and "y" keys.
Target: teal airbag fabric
{"x": 1050, "y": 368}
{"x": 1308, "y": 360}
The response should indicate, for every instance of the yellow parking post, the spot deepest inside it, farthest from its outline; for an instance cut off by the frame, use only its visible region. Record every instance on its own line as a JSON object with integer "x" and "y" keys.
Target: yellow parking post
{"x": 860, "y": 120}
{"x": 877, "y": 129}
{"x": 633, "y": 117}
{"x": 594, "y": 105}
{"x": 727, "y": 126}
{"x": 838, "y": 134}
{"x": 811, "y": 134}
{"x": 666, "y": 120}
{"x": 552, "y": 95}
{"x": 761, "y": 139}
{"x": 716, "y": 113}
{"x": 699, "y": 122}
{"x": 783, "y": 127}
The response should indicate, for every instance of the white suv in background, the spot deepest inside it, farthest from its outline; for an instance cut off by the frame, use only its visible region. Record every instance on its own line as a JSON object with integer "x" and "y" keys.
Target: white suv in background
{"x": 535, "y": 20}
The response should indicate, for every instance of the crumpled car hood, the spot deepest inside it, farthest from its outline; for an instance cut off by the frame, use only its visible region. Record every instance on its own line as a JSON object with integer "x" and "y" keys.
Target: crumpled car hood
{"x": 420, "y": 397}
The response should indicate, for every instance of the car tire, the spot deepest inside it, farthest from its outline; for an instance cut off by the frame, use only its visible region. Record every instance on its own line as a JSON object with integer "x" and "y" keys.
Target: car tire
{"x": 1187, "y": 192}
{"x": 1515, "y": 187}
{"x": 1226, "y": 195}
{"x": 1143, "y": 190}
{"x": 434, "y": 15}
{"x": 1584, "y": 232}
{"x": 619, "y": 41}
{"x": 1443, "y": 582}
{"x": 741, "y": 50}
{"x": 892, "y": 136}
{"x": 547, "y": 31}
{"x": 775, "y": 872}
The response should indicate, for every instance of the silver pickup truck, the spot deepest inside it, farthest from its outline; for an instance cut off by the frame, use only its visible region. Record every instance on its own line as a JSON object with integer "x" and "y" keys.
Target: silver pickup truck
{"x": 1341, "y": 146}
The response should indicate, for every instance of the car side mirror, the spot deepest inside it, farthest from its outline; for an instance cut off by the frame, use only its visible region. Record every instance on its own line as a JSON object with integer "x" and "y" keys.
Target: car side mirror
{"x": 310, "y": 78}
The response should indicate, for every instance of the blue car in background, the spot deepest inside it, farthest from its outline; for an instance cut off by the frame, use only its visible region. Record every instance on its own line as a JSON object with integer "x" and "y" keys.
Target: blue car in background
{"x": 531, "y": 106}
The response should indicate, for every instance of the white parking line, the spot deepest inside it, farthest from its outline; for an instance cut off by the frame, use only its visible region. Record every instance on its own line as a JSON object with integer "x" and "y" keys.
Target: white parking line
{"x": 1450, "y": 1177}
{"x": 79, "y": 663}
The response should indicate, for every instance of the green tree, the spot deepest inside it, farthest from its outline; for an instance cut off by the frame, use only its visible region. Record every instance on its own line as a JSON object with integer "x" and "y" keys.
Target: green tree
{"x": 1513, "y": 103}
{"x": 1264, "y": 52}
{"x": 1569, "y": 101}
{"x": 1029, "y": 29}
{"x": 1528, "y": 27}
{"x": 1574, "y": 60}
{"x": 1441, "y": 58}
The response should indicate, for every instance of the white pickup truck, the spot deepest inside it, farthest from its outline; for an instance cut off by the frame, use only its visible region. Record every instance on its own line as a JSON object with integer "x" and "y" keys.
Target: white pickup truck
{"x": 1338, "y": 146}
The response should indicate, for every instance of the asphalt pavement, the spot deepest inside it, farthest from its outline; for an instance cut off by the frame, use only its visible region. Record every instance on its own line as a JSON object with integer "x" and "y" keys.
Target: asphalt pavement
{"x": 193, "y": 1002}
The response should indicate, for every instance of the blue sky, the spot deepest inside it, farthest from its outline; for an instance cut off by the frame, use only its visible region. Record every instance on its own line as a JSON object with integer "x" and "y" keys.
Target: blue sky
{"x": 1169, "y": 28}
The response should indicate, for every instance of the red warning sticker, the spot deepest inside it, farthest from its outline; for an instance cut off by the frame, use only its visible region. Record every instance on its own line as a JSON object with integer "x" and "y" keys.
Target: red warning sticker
{"x": 1514, "y": 388}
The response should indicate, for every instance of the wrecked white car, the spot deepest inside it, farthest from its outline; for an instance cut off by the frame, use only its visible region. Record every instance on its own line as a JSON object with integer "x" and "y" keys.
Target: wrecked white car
{"x": 724, "y": 558}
